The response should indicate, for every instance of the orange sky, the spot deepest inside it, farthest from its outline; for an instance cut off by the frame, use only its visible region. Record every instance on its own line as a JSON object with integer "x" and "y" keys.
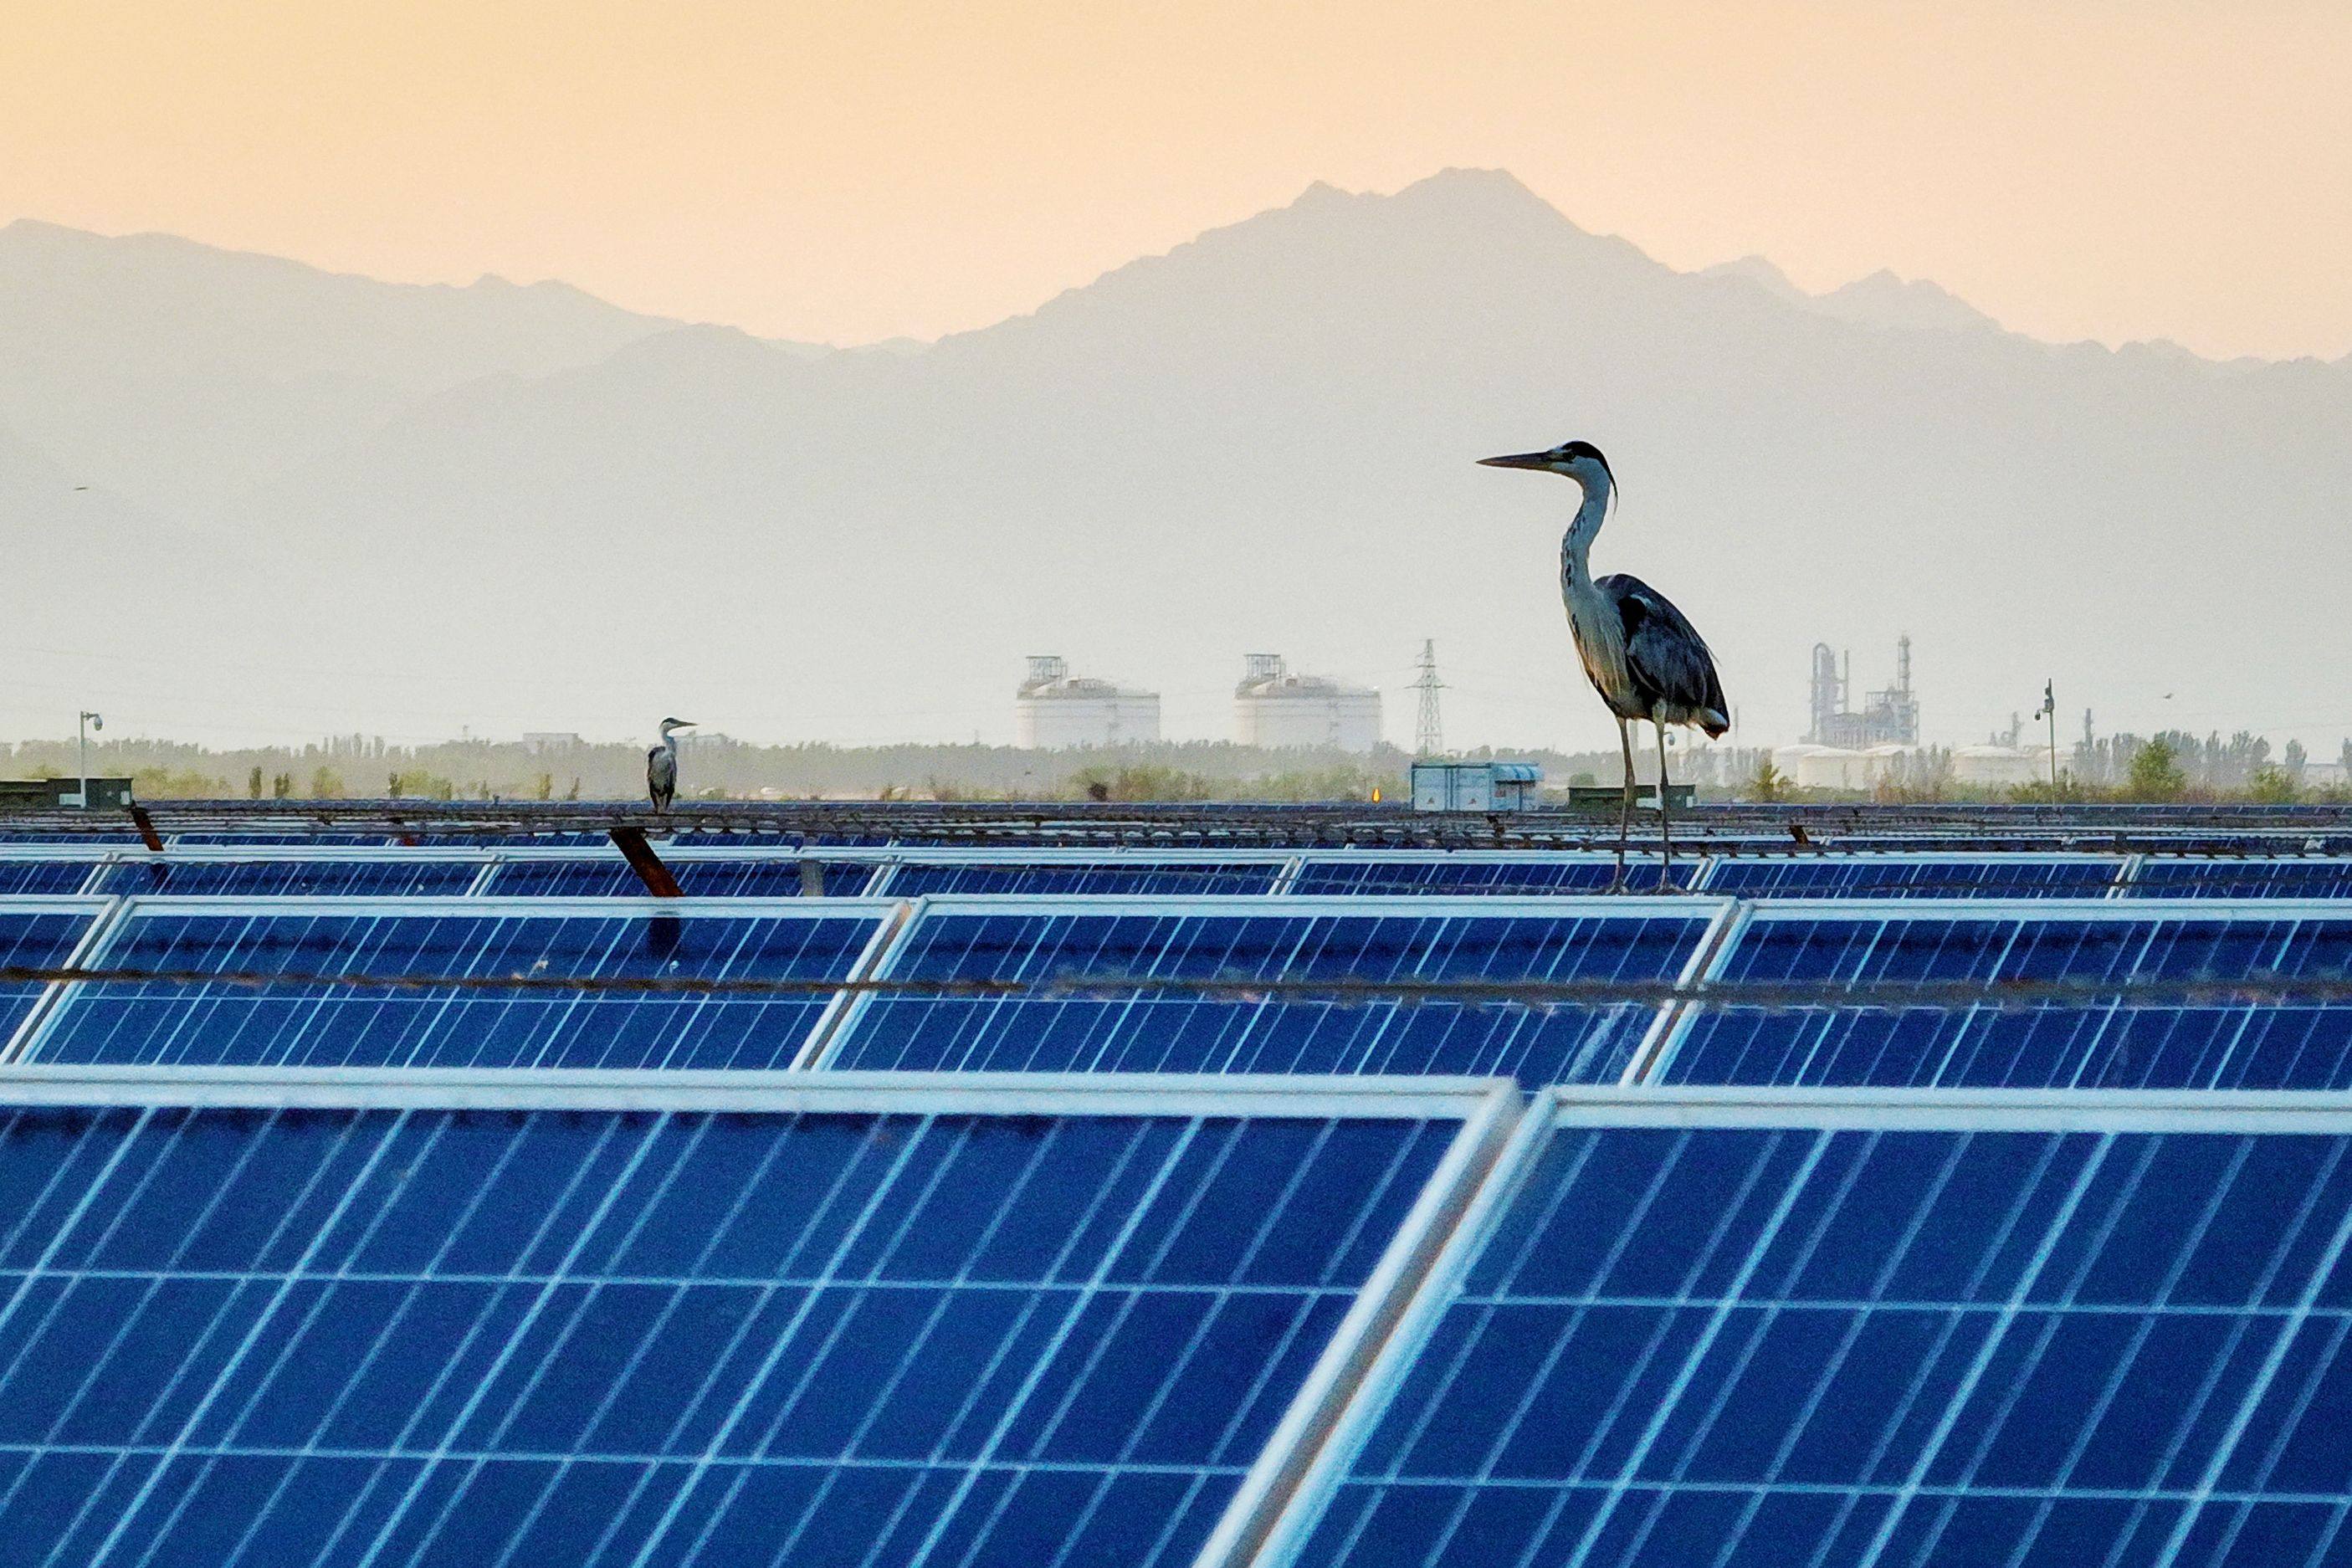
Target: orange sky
{"x": 2104, "y": 168}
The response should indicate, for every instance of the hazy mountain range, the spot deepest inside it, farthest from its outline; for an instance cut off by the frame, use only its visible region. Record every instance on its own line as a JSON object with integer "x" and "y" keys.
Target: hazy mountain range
{"x": 320, "y": 502}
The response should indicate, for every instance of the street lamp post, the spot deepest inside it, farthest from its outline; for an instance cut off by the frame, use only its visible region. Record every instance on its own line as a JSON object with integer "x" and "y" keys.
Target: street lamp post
{"x": 88, "y": 722}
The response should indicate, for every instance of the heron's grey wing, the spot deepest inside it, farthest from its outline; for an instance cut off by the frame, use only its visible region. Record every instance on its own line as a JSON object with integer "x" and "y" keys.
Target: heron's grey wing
{"x": 1668, "y": 656}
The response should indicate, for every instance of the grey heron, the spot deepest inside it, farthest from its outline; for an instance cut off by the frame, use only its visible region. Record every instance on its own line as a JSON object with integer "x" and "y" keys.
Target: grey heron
{"x": 1641, "y": 653}
{"x": 661, "y": 765}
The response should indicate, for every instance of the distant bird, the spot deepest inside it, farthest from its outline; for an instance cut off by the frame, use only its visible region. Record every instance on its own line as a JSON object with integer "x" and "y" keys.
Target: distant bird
{"x": 1641, "y": 653}
{"x": 81, "y": 487}
{"x": 661, "y": 765}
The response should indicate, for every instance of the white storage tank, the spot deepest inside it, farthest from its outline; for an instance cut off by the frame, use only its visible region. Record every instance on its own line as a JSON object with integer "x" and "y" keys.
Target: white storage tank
{"x": 1055, "y": 709}
{"x": 1275, "y": 708}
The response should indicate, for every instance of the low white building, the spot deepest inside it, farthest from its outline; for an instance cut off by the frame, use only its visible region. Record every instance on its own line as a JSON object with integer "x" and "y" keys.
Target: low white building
{"x": 1997, "y": 764}
{"x": 1810, "y": 766}
{"x": 1055, "y": 709}
{"x": 1275, "y": 708}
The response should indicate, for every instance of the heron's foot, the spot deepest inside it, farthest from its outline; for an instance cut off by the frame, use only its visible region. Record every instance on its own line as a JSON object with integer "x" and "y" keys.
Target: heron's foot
{"x": 1616, "y": 885}
{"x": 1668, "y": 885}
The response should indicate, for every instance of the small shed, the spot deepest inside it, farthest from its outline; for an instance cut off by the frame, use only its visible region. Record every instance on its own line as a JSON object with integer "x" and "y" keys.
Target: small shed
{"x": 1477, "y": 786}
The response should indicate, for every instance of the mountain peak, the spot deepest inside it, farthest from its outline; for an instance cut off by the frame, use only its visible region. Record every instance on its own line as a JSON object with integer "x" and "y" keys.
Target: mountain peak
{"x": 1758, "y": 271}
{"x": 1884, "y": 299}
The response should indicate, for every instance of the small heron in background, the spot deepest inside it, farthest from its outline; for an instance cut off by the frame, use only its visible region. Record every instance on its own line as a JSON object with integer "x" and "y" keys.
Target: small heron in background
{"x": 661, "y": 765}
{"x": 1641, "y": 653}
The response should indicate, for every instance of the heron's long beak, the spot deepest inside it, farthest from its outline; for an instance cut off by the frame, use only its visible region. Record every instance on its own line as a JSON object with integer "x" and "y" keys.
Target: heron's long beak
{"x": 1518, "y": 461}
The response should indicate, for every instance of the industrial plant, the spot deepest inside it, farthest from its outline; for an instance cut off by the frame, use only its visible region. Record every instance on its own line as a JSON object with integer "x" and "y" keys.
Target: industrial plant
{"x": 1275, "y": 708}
{"x": 1055, "y": 709}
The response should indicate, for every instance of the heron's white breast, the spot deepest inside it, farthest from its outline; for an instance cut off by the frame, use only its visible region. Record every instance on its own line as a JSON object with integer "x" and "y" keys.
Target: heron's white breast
{"x": 1599, "y": 633}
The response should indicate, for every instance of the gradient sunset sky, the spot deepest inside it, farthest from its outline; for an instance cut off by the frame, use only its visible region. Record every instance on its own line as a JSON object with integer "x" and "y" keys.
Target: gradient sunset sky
{"x": 2112, "y": 169}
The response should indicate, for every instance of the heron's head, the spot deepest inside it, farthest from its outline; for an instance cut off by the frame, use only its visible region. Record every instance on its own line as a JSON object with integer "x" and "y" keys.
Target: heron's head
{"x": 1579, "y": 460}
{"x": 669, "y": 724}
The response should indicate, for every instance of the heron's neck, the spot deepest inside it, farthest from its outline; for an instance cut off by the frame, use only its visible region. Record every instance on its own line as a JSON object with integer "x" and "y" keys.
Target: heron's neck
{"x": 669, "y": 744}
{"x": 1577, "y": 542}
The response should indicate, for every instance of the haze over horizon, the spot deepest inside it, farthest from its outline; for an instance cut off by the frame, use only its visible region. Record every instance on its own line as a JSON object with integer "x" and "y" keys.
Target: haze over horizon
{"x": 2169, "y": 169}
{"x": 323, "y": 503}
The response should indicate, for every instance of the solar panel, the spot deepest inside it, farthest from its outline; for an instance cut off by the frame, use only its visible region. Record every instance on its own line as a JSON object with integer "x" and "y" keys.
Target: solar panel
{"x": 600, "y": 876}
{"x": 326, "y": 1022}
{"x": 912, "y": 879}
{"x": 293, "y": 877}
{"x": 37, "y": 877}
{"x": 2104, "y": 1039}
{"x": 1855, "y": 1332}
{"x": 2235, "y": 879}
{"x": 1913, "y": 875}
{"x": 1471, "y": 873}
{"x": 35, "y": 934}
{"x": 596, "y": 1326}
{"x": 1123, "y": 1027}
{"x": 254, "y": 840}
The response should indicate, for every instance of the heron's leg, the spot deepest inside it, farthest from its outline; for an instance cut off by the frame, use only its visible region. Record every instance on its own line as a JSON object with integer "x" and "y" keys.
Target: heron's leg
{"x": 1665, "y": 822}
{"x": 1624, "y": 806}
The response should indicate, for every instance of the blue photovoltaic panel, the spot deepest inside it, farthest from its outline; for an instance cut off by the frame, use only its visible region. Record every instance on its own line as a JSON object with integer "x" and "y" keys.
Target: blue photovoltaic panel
{"x": 34, "y": 939}
{"x": 1536, "y": 874}
{"x": 181, "y": 1022}
{"x": 288, "y": 878}
{"x": 597, "y": 1339}
{"x": 1803, "y": 1347}
{"x": 1906, "y": 876}
{"x": 2170, "y": 879}
{"x": 51, "y": 877}
{"x": 602, "y": 877}
{"x": 2104, "y": 1041}
{"x": 1145, "y": 1031}
{"x": 1165, "y": 878}
{"x": 71, "y": 840}
{"x": 242, "y": 840}
{"x": 697, "y": 839}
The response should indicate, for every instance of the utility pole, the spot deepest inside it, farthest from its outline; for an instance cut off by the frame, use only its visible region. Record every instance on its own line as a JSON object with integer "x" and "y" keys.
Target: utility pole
{"x": 88, "y": 722}
{"x": 2050, "y": 711}
{"x": 1429, "y": 736}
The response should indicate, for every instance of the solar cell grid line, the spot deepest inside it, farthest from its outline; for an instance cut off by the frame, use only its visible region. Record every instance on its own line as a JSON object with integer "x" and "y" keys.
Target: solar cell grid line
{"x": 176, "y": 1021}
{"x": 1079, "y": 951}
{"x": 1860, "y": 1329}
{"x": 700, "y": 876}
{"x": 1898, "y": 876}
{"x": 50, "y": 875}
{"x": 2102, "y": 1040}
{"x": 2189, "y": 876}
{"x": 1466, "y": 872}
{"x": 912, "y": 877}
{"x": 288, "y": 876}
{"x": 602, "y": 1318}
{"x": 38, "y": 933}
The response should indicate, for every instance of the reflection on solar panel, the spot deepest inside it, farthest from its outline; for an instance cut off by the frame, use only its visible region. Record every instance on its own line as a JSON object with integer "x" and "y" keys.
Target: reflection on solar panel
{"x": 915, "y": 879}
{"x": 1119, "y": 1028}
{"x": 582, "y": 1336}
{"x": 36, "y": 935}
{"x": 2222, "y": 1043}
{"x": 51, "y": 877}
{"x": 1913, "y": 877}
{"x": 2196, "y": 878}
{"x": 1467, "y": 874}
{"x": 293, "y": 877}
{"x": 1774, "y": 1335}
{"x": 329, "y": 1025}
{"x": 601, "y": 877}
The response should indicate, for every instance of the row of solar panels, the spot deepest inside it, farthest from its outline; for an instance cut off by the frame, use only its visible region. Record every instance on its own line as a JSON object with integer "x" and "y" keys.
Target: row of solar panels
{"x": 719, "y": 873}
{"x": 2022, "y": 993}
{"x": 482, "y": 1320}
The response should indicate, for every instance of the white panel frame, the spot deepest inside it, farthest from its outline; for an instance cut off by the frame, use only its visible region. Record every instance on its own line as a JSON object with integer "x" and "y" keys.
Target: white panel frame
{"x": 103, "y": 913}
